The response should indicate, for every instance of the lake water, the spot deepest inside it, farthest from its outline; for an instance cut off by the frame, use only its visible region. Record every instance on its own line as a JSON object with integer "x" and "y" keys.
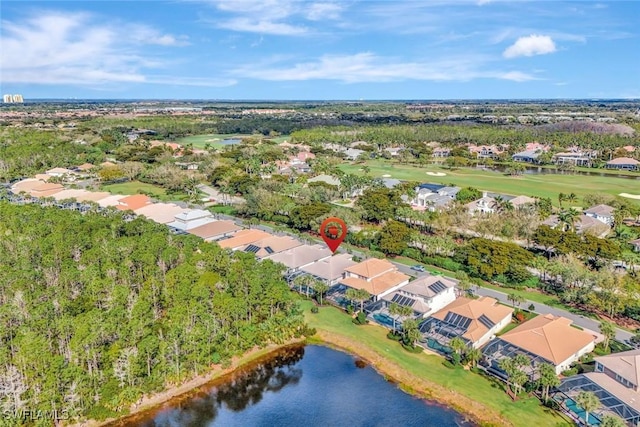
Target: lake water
{"x": 536, "y": 170}
{"x": 304, "y": 386}
{"x": 230, "y": 141}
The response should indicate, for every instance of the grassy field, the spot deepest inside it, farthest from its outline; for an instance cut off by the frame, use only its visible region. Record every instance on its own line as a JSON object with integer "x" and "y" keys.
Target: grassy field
{"x": 137, "y": 187}
{"x": 425, "y": 374}
{"x": 199, "y": 141}
{"x": 529, "y": 185}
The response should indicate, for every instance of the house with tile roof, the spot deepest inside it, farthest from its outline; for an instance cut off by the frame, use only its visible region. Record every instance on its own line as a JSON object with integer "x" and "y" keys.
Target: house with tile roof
{"x": 425, "y": 295}
{"x": 623, "y": 163}
{"x": 543, "y": 339}
{"x": 46, "y": 189}
{"x": 300, "y": 256}
{"x": 476, "y": 321}
{"x": 26, "y": 185}
{"x": 614, "y": 381}
{"x": 603, "y": 213}
{"x": 215, "y": 230}
{"x": 329, "y": 270}
{"x": 379, "y": 277}
{"x": 162, "y": 213}
{"x": 271, "y": 245}
{"x": 113, "y": 200}
{"x": 133, "y": 203}
{"x": 243, "y": 238}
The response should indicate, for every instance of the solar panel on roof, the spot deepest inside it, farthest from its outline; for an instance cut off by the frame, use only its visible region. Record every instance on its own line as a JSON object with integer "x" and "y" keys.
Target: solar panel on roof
{"x": 268, "y": 249}
{"x": 486, "y": 321}
{"x": 252, "y": 248}
{"x": 403, "y": 300}
{"x": 437, "y": 287}
{"x": 457, "y": 320}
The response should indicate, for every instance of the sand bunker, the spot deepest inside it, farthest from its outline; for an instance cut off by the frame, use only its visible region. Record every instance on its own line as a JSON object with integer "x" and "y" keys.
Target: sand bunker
{"x": 386, "y": 175}
{"x": 630, "y": 196}
{"x": 436, "y": 174}
{"x": 212, "y": 140}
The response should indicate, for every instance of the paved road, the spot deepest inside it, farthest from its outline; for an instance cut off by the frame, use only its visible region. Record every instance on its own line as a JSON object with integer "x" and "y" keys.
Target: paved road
{"x": 582, "y": 321}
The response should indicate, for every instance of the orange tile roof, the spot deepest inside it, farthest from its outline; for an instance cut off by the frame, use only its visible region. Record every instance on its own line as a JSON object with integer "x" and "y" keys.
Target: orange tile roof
{"x": 549, "y": 337}
{"x": 472, "y": 309}
{"x": 243, "y": 237}
{"x": 46, "y": 189}
{"x": 133, "y": 202}
{"x": 371, "y": 268}
{"x": 379, "y": 284}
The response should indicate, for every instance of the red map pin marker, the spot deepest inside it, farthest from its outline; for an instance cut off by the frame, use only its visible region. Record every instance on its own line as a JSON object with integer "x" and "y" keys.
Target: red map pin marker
{"x": 333, "y": 231}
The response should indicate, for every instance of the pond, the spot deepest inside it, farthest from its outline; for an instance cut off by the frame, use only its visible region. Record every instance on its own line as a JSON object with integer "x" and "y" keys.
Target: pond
{"x": 537, "y": 170}
{"x": 303, "y": 386}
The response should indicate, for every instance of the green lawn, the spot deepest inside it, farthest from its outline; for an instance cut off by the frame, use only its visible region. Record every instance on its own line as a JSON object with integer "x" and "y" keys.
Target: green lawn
{"x": 137, "y": 187}
{"x": 524, "y": 412}
{"x": 528, "y": 185}
{"x": 199, "y": 141}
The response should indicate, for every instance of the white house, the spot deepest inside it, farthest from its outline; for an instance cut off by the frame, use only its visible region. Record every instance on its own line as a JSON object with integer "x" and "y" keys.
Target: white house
{"x": 603, "y": 213}
{"x": 476, "y": 321}
{"x": 190, "y": 219}
{"x": 424, "y": 295}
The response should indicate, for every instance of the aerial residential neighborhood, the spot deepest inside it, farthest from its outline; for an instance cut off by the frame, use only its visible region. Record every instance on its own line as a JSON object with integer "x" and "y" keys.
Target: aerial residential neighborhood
{"x": 320, "y": 213}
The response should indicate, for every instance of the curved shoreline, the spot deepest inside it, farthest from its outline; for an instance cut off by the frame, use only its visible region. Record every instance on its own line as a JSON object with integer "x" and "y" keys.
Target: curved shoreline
{"x": 188, "y": 389}
{"x": 472, "y": 410}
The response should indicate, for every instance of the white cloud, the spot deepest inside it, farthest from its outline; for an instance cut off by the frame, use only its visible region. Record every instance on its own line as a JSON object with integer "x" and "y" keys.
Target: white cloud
{"x": 76, "y": 49}
{"x": 275, "y": 17}
{"x": 258, "y": 16}
{"x": 530, "y": 46}
{"x": 262, "y": 26}
{"x": 367, "y": 67}
{"x": 321, "y": 11}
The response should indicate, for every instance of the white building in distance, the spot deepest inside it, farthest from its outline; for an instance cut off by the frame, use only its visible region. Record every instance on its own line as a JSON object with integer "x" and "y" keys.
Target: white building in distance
{"x": 12, "y": 99}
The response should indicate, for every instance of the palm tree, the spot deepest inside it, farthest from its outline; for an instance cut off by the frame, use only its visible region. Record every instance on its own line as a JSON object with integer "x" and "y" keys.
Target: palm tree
{"x": 360, "y": 295}
{"x": 588, "y": 401}
{"x": 571, "y": 198}
{"x": 320, "y": 289}
{"x": 411, "y": 331}
{"x": 561, "y": 198}
{"x": 515, "y": 299}
{"x": 609, "y": 332}
{"x": 473, "y": 356}
{"x": 548, "y": 379}
{"x": 610, "y": 420}
{"x": 394, "y": 311}
{"x": 568, "y": 218}
{"x": 501, "y": 205}
{"x": 458, "y": 345}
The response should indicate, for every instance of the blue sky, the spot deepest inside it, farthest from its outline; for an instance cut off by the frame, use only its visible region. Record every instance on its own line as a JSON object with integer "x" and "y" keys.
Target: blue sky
{"x": 322, "y": 49}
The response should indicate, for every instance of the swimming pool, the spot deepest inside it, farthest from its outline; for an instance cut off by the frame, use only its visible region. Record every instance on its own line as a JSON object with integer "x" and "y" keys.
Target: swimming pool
{"x": 384, "y": 319}
{"x": 577, "y": 410}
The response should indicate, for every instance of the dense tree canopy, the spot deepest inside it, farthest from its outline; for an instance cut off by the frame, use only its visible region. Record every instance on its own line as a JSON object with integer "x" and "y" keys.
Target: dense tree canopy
{"x": 96, "y": 311}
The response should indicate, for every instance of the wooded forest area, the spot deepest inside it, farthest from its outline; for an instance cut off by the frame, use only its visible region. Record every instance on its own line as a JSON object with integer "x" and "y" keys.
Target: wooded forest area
{"x": 96, "y": 311}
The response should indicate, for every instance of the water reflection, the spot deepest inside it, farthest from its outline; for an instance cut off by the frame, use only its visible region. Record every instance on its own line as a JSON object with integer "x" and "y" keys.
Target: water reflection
{"x": 312, "y": 386}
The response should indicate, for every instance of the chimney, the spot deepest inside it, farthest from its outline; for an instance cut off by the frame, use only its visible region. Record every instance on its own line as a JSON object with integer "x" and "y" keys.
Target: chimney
{"x": 484, "y": 194}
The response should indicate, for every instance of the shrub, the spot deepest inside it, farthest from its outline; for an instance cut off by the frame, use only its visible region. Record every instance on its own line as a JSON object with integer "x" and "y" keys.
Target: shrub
{"x": 412, "y": 348}
{"x": 520, "y": 317}
{"x": 314, "y": 309}
{"x": 360, "y": 319}
{"x": 448, "y": 364}
{"x": 308, "y": 332}
{"x": 570, "y": 372}
{"x": 531, "y": 307}
{"x": 394, "y": 336}
{"x": 456, "y": 359}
